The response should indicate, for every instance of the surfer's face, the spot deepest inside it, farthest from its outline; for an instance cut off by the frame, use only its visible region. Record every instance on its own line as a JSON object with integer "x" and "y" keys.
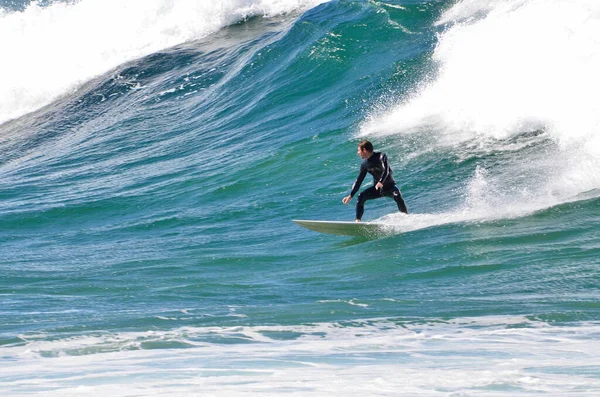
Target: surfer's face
{"x": 362, "y": 152}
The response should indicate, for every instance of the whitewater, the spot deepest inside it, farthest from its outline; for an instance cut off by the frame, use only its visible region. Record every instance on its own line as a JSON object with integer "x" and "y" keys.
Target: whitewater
{"x": 153, "y": 154}
{"x": 59, "y": 47}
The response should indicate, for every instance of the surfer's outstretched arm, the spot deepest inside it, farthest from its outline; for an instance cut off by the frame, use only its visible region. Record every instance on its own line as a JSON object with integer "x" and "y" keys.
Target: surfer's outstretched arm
{"x": 356, "y": 185}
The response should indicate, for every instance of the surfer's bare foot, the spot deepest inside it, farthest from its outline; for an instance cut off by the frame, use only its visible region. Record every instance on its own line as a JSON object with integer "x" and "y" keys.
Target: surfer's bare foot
{"x": 357, "y": 220}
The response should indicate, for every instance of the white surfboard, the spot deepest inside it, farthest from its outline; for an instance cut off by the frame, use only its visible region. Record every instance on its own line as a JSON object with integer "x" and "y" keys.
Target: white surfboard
{"x": 342, "y": 228}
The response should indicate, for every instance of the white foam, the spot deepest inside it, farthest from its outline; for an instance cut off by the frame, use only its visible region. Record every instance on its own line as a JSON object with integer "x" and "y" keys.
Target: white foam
{"x": 524, "y": 65}
{"x": 488, "y": 356}
{"x": 49, "y": 51}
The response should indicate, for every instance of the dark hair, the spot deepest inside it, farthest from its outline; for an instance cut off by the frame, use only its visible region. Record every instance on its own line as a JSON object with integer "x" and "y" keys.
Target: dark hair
{"x": 368, "y": 146}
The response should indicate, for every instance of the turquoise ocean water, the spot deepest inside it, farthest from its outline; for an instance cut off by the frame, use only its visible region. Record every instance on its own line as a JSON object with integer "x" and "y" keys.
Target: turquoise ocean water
{"x": 153, "y": 154}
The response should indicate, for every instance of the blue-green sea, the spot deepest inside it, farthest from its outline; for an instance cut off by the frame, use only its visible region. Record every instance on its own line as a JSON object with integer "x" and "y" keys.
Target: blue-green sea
{"x": 153, "y": 154}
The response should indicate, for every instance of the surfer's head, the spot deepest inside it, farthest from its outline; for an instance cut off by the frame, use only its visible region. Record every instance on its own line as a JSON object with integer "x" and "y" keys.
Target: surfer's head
{"x": 365, "y": 149}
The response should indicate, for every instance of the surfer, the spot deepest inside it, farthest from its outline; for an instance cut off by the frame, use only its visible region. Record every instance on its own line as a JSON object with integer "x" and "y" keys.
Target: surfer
{"x": 376, "y": 164}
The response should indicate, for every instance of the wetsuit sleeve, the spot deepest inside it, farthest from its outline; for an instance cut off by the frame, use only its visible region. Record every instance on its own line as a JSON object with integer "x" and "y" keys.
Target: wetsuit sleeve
{"x": 359, "y": 180}
{"x": 385, "y": 167}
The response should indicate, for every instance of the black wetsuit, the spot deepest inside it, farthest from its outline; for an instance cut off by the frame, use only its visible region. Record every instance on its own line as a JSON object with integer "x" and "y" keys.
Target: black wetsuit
{"x": 378, "y": 166}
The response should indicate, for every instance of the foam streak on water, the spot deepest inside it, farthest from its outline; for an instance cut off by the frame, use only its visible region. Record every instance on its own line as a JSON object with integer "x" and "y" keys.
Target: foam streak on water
{"x": 480, "y": 356}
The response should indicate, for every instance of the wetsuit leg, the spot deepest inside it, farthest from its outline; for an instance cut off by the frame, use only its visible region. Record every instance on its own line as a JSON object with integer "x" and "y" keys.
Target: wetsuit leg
{"x": 394, "y": 193}
{"x": 367, "y": 194}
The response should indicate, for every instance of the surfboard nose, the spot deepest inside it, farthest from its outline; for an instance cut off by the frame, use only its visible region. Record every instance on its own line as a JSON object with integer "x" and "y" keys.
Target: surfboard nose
{"x": 342, "y": 228}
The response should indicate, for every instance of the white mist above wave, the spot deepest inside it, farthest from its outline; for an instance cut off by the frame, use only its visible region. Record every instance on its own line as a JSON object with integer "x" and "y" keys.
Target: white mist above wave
{"x": 506, "y": 68}
{"x": 49, "y": 51}
{"x": 488, "y": 356}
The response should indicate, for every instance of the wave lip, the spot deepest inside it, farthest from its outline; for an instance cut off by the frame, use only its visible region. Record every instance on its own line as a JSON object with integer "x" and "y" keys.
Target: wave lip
{"x": 53, "y": 50}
